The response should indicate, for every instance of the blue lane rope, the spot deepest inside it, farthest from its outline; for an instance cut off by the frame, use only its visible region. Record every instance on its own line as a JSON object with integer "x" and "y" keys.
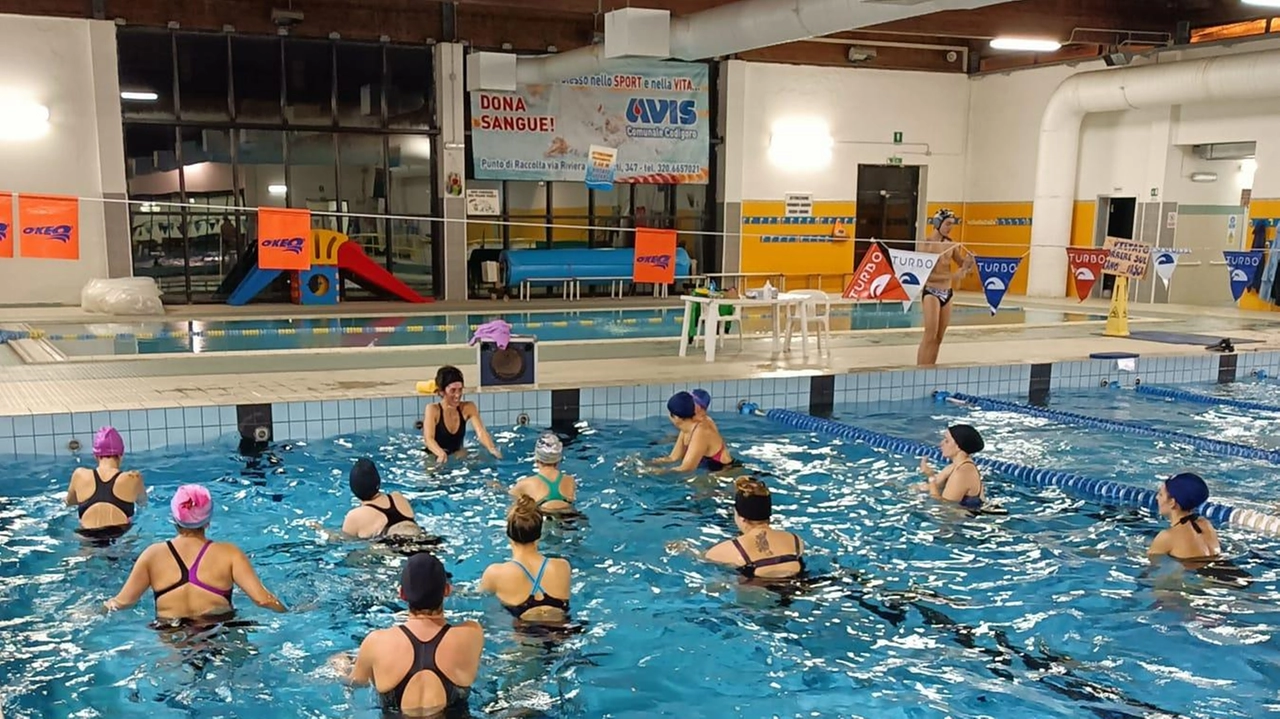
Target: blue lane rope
{"x": 1170, "y": 393}
{"x": 1103, "y": 490}
{"x": 1217, "y": 446}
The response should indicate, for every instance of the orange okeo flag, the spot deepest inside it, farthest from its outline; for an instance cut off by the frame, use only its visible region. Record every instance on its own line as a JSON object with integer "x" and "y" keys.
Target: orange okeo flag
{"x": 284, "y": 238}
{"x": 49, "y": 226}
{"x": 6, "y": 225}
{"x": 655, "y": 258}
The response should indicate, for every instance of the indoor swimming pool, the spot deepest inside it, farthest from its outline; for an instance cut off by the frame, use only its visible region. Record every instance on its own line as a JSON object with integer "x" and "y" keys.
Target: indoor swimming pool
{"x": 169, "y": 337}
{"x": 910, "y": 609}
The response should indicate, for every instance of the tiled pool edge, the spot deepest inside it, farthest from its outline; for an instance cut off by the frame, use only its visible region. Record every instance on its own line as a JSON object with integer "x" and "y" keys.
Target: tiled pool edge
{"x": 181, "y": 427}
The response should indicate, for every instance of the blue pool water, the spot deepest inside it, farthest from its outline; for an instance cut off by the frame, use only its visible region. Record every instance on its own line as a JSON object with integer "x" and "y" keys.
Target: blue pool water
{"x": 916, "y": 611}
{"x": 319, "y": 333}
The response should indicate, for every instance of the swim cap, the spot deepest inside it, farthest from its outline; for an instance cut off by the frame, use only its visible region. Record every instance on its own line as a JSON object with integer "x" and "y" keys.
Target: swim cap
{"x": 549, "y": 449}
{"x": 752, "y": 500}
{"x": 967, "y": 438}
{"x": 681, "y": 405}
{"x": 1188, "y": 490}
{"x": 108, "y": 443}
{"x": 446, "y": 376}
{"x": 942, "y": 216}
{"x": 701, "y": 397}
{"x": 192, "y": 507}
{"x": 423, "y": 581}
{"x": 364, "y": 479}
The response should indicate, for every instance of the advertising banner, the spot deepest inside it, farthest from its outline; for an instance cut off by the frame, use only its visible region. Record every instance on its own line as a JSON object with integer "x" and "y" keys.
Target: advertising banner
{"x": 912, "y": 269}
{"x": 1086, "y": 266}
{"x": 1242, "y": 266}
{"x": 282, "y": 239}
{"x": 50, "y": 227}
{"x": 875, "y": 279}
{"x": 6, "y": 225}
{"x": 996, "y": 273}
{"x": 656, "y": 115}
{"x": 1166, "y": 261}
{"x": 655, "y": 258}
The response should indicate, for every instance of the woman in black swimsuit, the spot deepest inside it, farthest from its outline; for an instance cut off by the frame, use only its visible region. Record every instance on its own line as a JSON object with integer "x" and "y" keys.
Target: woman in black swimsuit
{"x": 105, "y": 496}
{"x": 935, "y": 301}
{"x": 379, "y": 515}
{"x": 761, "y": 552}
{"x": 444, "y": 426}
{"x": 534, "y": 588}
{"x": 426, "y": 665}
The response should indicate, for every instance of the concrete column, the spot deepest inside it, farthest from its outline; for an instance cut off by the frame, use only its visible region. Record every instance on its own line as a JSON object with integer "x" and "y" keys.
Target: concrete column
{"x": 451, "y": 169}
{"x": 730, "y": 159}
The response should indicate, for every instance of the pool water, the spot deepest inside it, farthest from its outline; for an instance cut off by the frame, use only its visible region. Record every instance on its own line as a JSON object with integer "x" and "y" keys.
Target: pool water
{"x": 419, "y": 330}
{"x": 913, "y": 609}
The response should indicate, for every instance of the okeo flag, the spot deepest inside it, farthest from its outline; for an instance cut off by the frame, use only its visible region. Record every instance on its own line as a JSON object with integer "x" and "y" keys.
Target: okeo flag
{"x": 1242, "y": 267}
{"x": 996, "y": 273}
{"x": 600, "y": 168}
{"x": 875, "y": 279}
{"x": 1085, "y": 264}
{"x": 6, "y": 225}
{"x": 49, "y": 227}
{"x": 284, "y": 239}
{"x": 655, "y": 256}
{"x": 912, "y": 269}
{"x": 655, "y": 113}
{"x": 1165, "y": 261}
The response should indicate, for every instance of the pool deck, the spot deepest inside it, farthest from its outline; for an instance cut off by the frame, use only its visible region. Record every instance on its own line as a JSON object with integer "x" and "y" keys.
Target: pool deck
{"x": 258, "y": 377}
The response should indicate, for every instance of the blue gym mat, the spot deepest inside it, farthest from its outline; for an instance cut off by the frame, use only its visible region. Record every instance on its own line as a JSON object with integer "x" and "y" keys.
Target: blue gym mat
{"x": 1182, "y": 338}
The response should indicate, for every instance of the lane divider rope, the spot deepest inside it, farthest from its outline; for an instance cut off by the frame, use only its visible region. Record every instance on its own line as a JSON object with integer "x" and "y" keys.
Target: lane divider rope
{"x": 1171, "y": 393}
{"x": 1101, "y": 490}
{"x": 1217, "y": 446}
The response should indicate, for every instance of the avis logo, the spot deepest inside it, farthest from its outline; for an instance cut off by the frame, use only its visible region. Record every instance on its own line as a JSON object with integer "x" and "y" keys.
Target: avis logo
{"x": 57, "y": 233}
{"x": 662, "y": 262}
{"x": 655, "y": 111}
{"x": 292, "y": 245}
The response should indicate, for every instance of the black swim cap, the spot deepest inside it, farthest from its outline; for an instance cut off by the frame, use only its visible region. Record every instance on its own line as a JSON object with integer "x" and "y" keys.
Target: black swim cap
{"x": 364, "y": 479}
{"x": 967, "y": 438}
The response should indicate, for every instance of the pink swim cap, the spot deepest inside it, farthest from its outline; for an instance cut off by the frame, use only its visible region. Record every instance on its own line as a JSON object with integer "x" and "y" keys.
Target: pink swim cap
{"x": 108, "y": 443}
{"x": 191, "y": 506}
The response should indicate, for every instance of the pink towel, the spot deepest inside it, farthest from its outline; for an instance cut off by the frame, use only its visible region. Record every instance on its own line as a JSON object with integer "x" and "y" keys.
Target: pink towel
{"x": 497, "y": 331}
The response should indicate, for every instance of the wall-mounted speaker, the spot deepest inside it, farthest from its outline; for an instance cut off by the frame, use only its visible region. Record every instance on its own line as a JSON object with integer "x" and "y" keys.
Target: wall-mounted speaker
{"x": 515, "y": 365}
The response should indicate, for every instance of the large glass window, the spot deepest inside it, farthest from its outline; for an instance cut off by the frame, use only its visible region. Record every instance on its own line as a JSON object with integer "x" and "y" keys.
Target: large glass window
{"x": 411, "y": 192}
{"x": 256, "y": 73}
{"x": 146, "y": 73}
{"x": 203, "y": 81}
{"x": 410, "y": 90}
{"x": 308, "y": 76}
{"x": 359, "y": 85}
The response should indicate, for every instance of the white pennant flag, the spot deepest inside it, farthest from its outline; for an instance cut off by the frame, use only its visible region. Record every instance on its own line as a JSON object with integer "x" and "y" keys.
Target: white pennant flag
{"x": 1166, "y": 261}
{"x": 912, "y": 269}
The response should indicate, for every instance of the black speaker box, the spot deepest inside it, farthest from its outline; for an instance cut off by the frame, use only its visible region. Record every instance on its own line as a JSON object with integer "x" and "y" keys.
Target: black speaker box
{"x": 515, "y": 365}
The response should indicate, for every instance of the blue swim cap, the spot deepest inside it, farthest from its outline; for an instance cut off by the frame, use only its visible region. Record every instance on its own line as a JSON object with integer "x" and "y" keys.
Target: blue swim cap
{"x": 701, "y": 397}
{"x": 1188, "y": 490}
{"x": 681, "y": 405}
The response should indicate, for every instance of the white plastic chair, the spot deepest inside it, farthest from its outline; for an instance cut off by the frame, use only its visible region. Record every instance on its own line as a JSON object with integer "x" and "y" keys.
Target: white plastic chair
{"x": 721, "y": 321}
{"x": 816, "y": 311}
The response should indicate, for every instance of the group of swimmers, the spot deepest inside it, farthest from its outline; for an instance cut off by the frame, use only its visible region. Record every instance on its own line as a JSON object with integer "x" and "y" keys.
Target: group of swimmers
{"x": 426, "y": 664}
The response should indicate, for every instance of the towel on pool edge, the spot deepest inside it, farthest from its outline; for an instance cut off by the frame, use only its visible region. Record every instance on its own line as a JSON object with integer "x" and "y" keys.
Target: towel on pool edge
{"x": 696, "y": 313}
{"x": 497, "y": 331}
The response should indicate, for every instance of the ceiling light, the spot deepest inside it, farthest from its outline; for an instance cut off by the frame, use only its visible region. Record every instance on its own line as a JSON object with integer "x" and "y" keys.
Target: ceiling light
{"x": 1262, "y": 3}
{"x": 1204, "y": 177}
{"x": 1027, "y": 44}
{"x": 139, "y": 96}
{"x": 277, "y": 189}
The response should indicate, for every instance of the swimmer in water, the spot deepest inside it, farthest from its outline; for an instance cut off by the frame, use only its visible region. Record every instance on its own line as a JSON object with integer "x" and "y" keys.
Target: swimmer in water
{"x": 534, "y": 588}
{"x": 426, "y": 665}
{"x": 960, "y": 481}
{"x": 379, "y": 514}
{"x": 761, "y": 552}
{"x": 702, "y": 402}
{"x": 551, "y": 489}
{"x": 106, "y": 495}
{"x": 191, "y": 575}
{"x": 444, "y": 425}
{"x": 705, "y": 449}
{"x": 1189, "y": 536}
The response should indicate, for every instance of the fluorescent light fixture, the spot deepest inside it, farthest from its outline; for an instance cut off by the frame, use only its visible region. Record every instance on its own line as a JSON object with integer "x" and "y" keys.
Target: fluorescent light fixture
{"x": 1248, "y": 170}
{"x": 1262, "y": 3}
{"x": 22, "y": 119}
{"x": 1204, "y": 177}
{"x": 139, "y": 96}
{"x": 277, "y": 189}
{"x": 801, "y": 144}
{"x": 1023, "y": 43}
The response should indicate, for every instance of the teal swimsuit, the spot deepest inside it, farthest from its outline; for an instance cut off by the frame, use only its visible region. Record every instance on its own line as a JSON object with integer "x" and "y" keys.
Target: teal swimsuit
{"x": 553, "y": 490}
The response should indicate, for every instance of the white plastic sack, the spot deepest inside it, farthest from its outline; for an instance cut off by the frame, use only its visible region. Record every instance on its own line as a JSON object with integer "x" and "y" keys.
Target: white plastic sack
{"x": 122, "y": 296}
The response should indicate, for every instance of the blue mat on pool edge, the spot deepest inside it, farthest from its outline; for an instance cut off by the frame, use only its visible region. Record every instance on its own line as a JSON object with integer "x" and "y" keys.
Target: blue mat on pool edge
{"x": 1182, "y": 338}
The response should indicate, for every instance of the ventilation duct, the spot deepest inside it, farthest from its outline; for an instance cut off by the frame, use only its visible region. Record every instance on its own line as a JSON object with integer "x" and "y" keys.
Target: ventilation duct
{"x": 1226, "y": 151}
{"x": 1229, "y": 78}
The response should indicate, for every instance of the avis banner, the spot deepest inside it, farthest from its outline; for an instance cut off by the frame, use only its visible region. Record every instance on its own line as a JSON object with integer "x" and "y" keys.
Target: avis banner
{"x": 656, "y": 115}
{"x": 912, "y": 270}
{"x": 996, "y": 273}
{"x": 283, "y": 237}
{"x": 1086, "y": 266}
{"x": 875, "y": 279}
{"x": 1242, "y": 267}
{"x": 49, "y": 226}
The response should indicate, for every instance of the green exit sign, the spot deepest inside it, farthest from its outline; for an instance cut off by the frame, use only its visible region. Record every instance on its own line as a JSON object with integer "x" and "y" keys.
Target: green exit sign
{"x": 897, "y": 138}
{"x": 895, "y": 160}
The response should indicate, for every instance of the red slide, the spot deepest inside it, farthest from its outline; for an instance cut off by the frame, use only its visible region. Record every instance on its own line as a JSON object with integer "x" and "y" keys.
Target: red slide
{"x": 365, "y": 272}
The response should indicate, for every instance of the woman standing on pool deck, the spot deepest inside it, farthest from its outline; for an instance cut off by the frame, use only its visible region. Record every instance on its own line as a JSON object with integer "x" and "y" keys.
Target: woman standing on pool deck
{"x": 960, "y": 481}
{"x": 706, "y": 449}
{"x": 444, "y": 426}
{"x": 761, "y": 552}
{"x": 1189, "y": 535}
{"x": 106, "y": 494}
{"x": 938, "y": 288}
{"x": 191, "y": 575}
